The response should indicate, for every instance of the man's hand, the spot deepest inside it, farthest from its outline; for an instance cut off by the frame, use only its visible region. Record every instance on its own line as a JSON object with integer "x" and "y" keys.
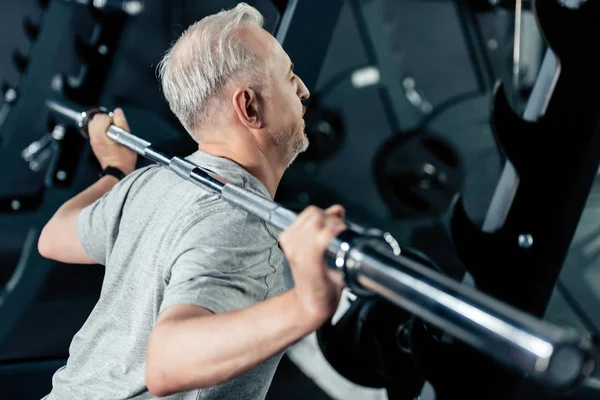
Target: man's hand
{"x": 106, "y": 150}
{"x": 304, "y": 243}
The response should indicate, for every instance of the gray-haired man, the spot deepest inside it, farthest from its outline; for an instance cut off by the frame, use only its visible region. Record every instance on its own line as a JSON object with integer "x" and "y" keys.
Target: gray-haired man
{"x": 193, "y": 303}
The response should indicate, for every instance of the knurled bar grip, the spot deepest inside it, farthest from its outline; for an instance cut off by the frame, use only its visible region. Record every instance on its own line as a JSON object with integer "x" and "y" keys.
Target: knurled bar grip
{"x": 128, "y": 140}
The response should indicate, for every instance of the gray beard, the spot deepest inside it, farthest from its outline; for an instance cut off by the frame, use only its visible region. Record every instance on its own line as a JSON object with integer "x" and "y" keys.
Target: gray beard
{"x": 293, "y": 143}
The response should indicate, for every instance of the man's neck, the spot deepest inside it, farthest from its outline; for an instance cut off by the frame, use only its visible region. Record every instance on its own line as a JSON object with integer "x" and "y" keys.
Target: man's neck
{"x": 252, "y": 159}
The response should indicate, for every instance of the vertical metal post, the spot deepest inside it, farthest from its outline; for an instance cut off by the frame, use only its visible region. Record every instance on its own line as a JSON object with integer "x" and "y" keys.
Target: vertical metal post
{"x": 517, "y": 50}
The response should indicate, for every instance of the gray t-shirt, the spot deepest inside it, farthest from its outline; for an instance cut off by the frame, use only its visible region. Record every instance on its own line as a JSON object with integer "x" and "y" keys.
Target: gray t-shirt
{"x": 166, "y": 241}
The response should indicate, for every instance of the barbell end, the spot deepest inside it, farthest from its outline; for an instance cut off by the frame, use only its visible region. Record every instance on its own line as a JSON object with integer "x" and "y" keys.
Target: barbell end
{"x": 80, "y": 118}
{"x": 570, "y": 364}
{"x": 86, "y": 117}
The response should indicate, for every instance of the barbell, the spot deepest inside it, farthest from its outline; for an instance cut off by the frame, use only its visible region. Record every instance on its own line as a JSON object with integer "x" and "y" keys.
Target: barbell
{"x": 374, "y": 264}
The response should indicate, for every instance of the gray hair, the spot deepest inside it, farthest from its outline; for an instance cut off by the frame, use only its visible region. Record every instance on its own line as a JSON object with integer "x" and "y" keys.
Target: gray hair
{"x": 195, "y": 70}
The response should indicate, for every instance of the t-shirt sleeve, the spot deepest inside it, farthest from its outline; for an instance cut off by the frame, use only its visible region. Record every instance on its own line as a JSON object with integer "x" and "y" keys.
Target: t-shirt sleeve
{"x": 98, "y": 223}
{"x": 223, "y": 262}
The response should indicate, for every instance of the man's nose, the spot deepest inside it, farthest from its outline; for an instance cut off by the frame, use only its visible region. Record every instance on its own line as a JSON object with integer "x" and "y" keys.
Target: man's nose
{"x": 303, "y": 91}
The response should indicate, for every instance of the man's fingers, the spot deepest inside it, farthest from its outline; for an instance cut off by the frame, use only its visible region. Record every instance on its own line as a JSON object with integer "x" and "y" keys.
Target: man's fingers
{"x": 315, "y": 219}
{"x": 311, "y": 216}
{"x": 336, "y": 210}
{"x": 314, "y": 227}
{"x": 332, "y": 227}
{"x": 120, "y": 120}
{"x": 98, "y": 126}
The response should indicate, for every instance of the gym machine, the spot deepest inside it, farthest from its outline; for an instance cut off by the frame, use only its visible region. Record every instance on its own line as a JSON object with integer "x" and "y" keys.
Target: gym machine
{"x": 40, "y": 171}
{"x": 551, "y": 158}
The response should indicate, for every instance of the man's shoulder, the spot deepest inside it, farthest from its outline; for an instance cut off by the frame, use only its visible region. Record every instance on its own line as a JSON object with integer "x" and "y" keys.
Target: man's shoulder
{"x": 218, "y": 218}
{"x": 199, "y": 213}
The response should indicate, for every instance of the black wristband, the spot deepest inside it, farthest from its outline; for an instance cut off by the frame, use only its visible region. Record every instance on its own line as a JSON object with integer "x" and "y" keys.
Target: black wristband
{"x": 113, "y": 171}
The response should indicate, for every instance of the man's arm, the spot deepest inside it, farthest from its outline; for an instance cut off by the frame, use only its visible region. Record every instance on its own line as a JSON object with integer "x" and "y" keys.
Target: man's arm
{"x": 192, "y": 348}
{"x": 59, "y": 240}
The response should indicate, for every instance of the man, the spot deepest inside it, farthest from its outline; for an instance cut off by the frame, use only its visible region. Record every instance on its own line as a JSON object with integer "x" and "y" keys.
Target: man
{"x": 193, "y": 304}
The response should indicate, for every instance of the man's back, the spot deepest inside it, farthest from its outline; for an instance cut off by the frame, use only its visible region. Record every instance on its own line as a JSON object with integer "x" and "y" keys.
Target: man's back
{"x": 165, "y": 241}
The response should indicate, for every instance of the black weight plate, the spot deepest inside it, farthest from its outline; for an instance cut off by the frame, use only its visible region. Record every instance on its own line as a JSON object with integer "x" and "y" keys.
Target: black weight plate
{"x": 364, "y": 345}
{"x": 385, "y": 353}
{"x": 339, "y": 342}
{"x": 418, "y": 174}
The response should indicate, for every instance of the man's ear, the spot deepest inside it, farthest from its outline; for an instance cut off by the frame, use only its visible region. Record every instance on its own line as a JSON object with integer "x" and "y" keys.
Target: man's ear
{"x": 247, "y": 108}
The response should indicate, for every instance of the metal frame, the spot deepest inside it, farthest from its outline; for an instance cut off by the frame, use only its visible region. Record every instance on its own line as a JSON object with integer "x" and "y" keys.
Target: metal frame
{"x": 553, "y": 154}
{"x": 41, "y": 188}
{"x": 475, "y": 43}
{"x": 400, "y": 113}
{"x": 294, "y": 30}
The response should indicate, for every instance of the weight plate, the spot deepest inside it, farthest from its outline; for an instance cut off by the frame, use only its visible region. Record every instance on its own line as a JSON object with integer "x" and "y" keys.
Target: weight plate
{"x": 418, "y": 174}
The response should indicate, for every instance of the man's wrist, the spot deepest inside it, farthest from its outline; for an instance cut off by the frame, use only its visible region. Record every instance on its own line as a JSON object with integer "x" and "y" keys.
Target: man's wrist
{"x": 113, "y": 171}
{"x": 109, "y": 178}
{"x": 309, "y": 318}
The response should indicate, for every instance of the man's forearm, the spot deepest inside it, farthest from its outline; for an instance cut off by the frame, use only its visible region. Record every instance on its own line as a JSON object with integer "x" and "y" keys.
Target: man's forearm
{"x": 206, "y": 350}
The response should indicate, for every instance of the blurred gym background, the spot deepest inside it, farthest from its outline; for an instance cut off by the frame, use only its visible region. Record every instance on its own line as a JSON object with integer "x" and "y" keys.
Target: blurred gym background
{"x": 398, "y": 123}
